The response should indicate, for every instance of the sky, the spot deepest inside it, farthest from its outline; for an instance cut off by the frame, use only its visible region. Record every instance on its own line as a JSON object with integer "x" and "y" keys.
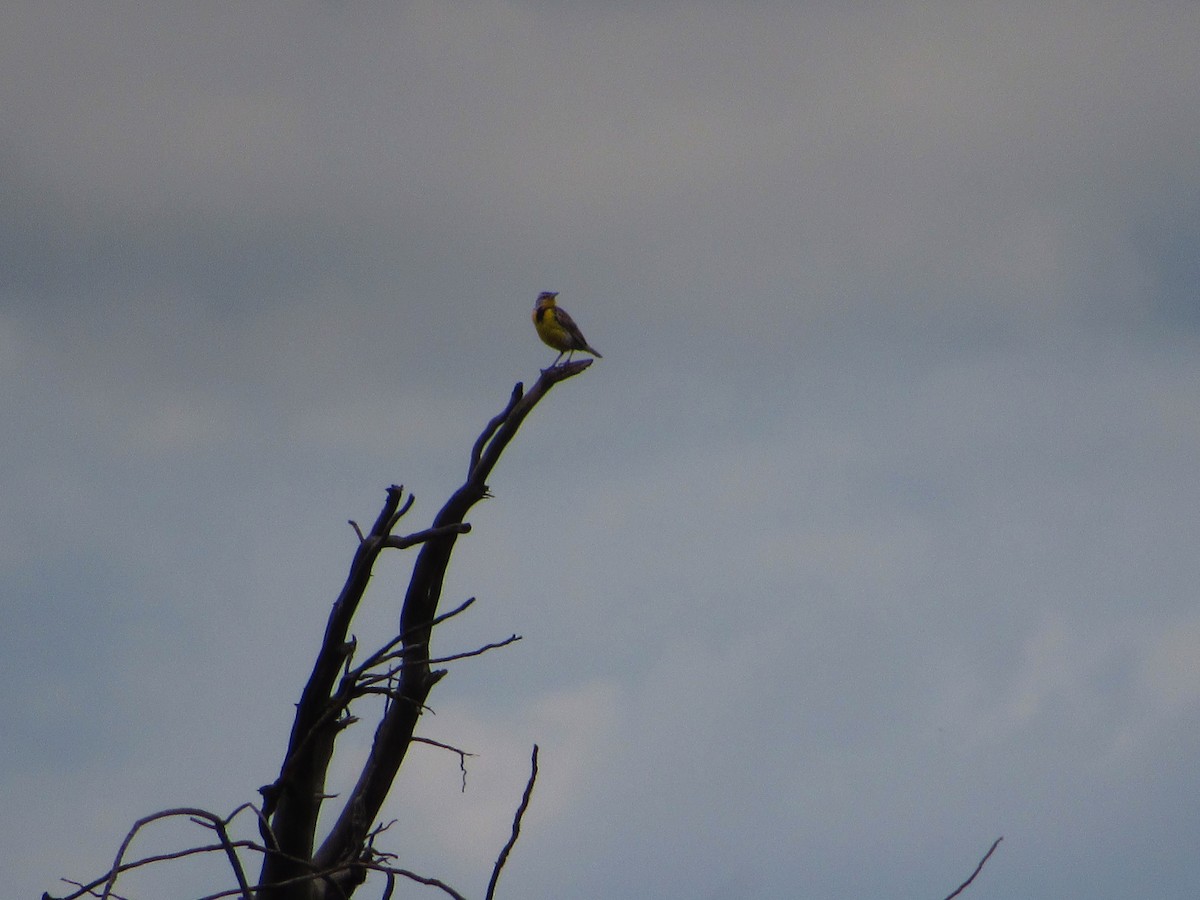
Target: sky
{"x": 872, "y": 537}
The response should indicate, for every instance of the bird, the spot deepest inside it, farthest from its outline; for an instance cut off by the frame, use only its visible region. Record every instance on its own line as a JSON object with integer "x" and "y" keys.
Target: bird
{"x": 558, "y": 329}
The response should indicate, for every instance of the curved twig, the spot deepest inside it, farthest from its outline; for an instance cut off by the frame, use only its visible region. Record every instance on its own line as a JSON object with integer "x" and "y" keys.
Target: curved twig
{"x": 209, "y": 819}
{"x": 516, "y": 829}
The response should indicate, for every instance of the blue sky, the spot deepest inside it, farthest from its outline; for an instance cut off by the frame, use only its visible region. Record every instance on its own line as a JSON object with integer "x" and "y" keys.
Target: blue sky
{"x": 871, "y": 539}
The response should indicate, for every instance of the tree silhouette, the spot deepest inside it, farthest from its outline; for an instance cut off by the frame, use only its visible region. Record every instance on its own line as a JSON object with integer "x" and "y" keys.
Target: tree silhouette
{"x": 293, "y": 865}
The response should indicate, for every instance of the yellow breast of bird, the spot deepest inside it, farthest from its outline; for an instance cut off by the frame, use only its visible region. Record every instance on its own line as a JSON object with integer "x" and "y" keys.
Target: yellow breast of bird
{"x": 546, "y": 322}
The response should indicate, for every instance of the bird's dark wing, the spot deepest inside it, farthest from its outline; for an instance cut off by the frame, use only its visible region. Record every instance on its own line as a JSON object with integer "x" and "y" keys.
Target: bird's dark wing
{"x": 570, "y": 328}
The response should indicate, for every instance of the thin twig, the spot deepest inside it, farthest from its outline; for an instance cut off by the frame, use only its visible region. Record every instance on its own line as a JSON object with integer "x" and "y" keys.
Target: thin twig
{"x": 516, "y": 829}
{"x": 462, "y": 755}
{"x": 478, "y": 651}
{"x": 978, "y": 869}
{"x": 385, "y": 652}
{"x": 191, "y": 813}
{"x": 438, "y": 620}
{"x": 375, "y": 678}
{"x": 151, "y": 860}
{"x": 199, "y": 816}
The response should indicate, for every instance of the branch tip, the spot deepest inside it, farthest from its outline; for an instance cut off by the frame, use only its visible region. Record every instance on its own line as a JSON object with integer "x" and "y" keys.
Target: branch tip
{"x": 979, "y": 868}
{"x": 516, "y": 828}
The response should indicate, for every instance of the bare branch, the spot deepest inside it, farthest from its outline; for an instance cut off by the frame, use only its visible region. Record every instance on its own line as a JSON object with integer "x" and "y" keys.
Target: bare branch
{"x": 496, "y": 436}
{"x": 516, "y": 829}
{"x": 978, "y": 869}
{"x": 365, "y": 680}
{"x": 462, "y": 755}
{"x": 385, "y": 652}
{"x": 438, "y": 620}
{"x": 401, "y": 543}
{"x": 416, "y": 677}
{"x": 391, "y": 510}
{"x": 490, "y": 428}
{"x": 200, "y": 817}
{"x": 293, "y": 802}
{"x": 399, "y": 514}
{"x": 478, "y": 651}
{"x": 234, "y": 863}
{"x": 152, "y": 860}
{"x": 419, "y": 879}
{"x": 90, "y": 891}
{"x": 192, "y": 814}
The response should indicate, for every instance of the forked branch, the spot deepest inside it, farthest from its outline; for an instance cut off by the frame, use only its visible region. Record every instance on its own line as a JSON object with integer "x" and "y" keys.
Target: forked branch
{"x": 402, "y": 670}
{"x": 293, "y": 802}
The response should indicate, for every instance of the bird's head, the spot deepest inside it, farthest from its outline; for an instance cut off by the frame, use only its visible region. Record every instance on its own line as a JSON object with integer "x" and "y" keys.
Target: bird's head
{"x": 545, "y": 299}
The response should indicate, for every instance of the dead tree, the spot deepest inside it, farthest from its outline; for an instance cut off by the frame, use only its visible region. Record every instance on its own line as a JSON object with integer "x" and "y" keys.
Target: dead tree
{"x": 402, "y": 671}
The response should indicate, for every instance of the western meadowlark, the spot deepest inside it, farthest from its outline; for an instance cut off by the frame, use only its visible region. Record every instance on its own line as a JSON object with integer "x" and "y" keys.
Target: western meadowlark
{"x": 558, "y": 329}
